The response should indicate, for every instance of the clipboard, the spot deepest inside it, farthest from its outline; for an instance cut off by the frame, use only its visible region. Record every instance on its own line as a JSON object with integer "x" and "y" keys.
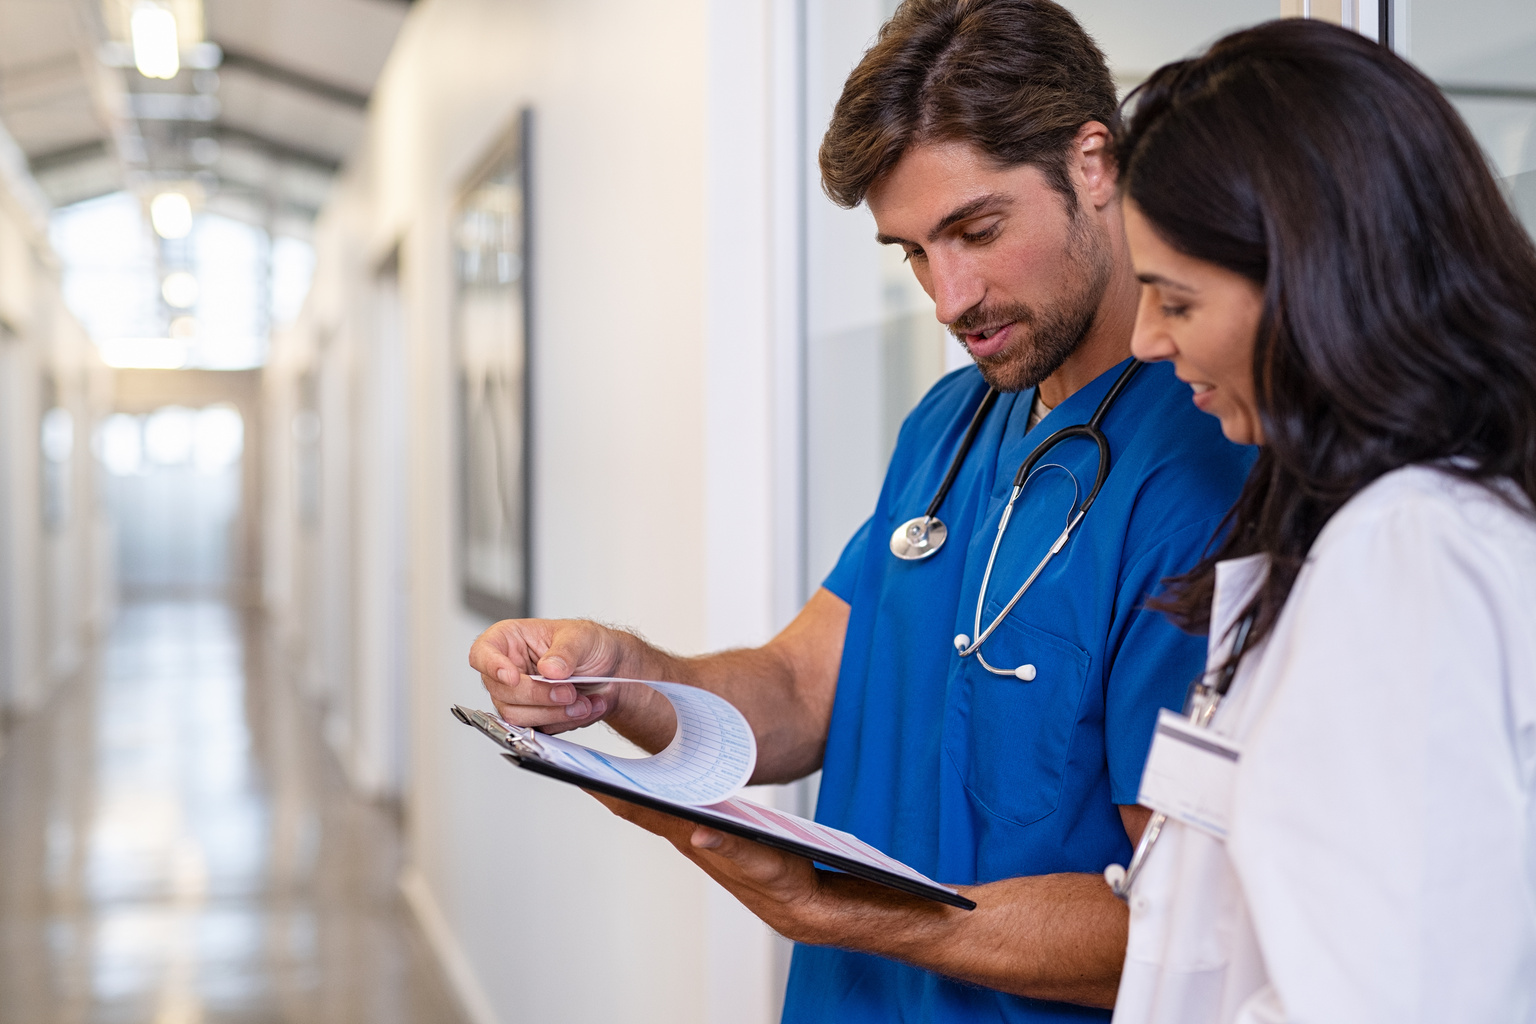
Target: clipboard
{"x": 821, "y": 844}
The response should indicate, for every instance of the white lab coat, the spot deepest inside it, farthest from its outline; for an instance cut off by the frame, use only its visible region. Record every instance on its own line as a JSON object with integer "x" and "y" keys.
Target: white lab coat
{"x": 1381, "y": 860}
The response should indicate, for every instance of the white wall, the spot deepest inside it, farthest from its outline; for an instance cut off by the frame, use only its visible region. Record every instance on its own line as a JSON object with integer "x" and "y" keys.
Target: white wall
{"x": 664, "y": 351}
{"x": 52, "y": 583}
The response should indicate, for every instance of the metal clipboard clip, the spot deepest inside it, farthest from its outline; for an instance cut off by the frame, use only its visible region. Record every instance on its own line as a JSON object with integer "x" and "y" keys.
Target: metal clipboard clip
{"x": 516, "y": 740}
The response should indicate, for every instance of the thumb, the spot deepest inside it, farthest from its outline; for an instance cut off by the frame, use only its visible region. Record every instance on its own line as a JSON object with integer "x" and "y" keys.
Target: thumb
{"x": 576, "y": 647}
{"x": 555, "y": 664}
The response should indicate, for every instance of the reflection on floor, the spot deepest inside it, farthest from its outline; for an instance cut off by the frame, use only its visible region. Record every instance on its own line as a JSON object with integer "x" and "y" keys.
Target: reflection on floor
{"x": 178, "y": 847}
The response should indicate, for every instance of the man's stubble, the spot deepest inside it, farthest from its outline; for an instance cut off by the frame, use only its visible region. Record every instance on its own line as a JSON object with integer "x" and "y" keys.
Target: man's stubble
{"x": 1049, "y": 335}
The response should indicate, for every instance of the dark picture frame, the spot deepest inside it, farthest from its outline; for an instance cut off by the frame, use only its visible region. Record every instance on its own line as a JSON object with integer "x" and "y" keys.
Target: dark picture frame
{"x": 492, "y": 319}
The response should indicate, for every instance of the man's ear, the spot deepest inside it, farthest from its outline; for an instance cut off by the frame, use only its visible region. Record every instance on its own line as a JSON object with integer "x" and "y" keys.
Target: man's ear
{"x": 1091, "y": 162}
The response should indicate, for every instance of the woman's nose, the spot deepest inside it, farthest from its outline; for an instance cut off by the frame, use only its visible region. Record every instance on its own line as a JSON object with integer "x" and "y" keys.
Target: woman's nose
{"x": 1150, "y": 340}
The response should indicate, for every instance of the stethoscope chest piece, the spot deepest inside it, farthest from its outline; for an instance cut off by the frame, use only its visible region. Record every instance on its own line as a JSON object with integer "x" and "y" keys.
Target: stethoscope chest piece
{"x": 918, "y": 538}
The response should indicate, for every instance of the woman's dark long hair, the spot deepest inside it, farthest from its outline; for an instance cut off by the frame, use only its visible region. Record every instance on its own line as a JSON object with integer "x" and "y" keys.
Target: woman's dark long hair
{"x": 1399, "y": 321}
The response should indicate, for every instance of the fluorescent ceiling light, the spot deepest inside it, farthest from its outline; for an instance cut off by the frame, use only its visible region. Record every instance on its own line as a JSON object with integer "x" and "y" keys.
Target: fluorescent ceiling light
{"x": 179, "y": 290}
{"x": 156, "y": 50}
{"x": 144, "y": 353}
{"x": 171, "y": 214}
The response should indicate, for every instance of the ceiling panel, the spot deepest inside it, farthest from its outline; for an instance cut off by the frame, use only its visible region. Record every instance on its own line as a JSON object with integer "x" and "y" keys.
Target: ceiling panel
{"x": 44, "y": 130}
{"x": 45, "y": 98}
{"x": 289, "y": 116}
{"x": 33, "y": 31}
{"x": 288, "y": 105}
{"x": 341, "y": 41}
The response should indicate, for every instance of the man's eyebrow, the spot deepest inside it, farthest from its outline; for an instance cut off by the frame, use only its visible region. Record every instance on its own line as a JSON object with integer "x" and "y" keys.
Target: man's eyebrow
{"x": 955, "y": 216}
{"x": 968, "y": 211}
{"x": 1163, "y": 282}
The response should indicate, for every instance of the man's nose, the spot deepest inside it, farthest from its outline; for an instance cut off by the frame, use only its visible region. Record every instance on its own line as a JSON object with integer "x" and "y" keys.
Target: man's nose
{"x": 955, "y": 289}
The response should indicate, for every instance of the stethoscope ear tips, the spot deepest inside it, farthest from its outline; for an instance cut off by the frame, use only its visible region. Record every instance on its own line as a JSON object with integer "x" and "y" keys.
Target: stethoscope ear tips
{"x": 1025, "y": 672}
{"x": 1114, "y": 877}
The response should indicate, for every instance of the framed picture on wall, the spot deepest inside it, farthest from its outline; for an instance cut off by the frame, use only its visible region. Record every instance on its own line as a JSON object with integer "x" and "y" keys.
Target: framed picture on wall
{"x": 491, "y": 321}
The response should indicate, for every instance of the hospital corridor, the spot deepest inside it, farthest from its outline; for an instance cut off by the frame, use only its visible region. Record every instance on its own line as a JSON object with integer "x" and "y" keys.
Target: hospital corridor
{"x": 333, "y": 332}
{"x": 180, "y": 845}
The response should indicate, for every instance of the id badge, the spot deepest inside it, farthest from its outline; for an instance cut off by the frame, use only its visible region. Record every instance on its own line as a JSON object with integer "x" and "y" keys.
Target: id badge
{"x": 1190, "y": 774}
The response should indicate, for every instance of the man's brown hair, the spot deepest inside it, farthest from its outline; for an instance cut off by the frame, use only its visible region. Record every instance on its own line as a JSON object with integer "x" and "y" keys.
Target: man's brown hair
{"x": 1014, "y": 78}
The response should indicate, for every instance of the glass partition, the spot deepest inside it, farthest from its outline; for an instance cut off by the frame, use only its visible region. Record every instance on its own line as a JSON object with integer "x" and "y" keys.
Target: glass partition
{"x": 1482, "y": 53}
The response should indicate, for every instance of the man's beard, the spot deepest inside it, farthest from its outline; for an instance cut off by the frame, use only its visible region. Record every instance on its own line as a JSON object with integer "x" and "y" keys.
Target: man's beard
{"x": 1045, "y": 338}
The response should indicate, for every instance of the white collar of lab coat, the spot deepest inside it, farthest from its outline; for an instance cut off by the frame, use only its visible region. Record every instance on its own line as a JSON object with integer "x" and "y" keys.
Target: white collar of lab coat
{"x": 1237, "y": 582}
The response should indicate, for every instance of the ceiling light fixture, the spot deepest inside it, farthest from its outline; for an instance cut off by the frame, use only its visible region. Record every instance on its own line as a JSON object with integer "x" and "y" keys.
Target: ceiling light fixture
{"x": 156, "y": 48}
{"x": 171, "y": 214}
{"x": 179, "y": 290}
{"x": 144, "y": 353}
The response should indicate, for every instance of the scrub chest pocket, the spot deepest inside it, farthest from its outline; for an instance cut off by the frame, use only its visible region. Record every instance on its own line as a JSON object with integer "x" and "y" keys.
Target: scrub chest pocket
{"x": 1009, "y": 738}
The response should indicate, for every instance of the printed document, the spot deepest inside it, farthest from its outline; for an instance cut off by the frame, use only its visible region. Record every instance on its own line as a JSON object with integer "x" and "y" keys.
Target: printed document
{"x": 698, "y": 776}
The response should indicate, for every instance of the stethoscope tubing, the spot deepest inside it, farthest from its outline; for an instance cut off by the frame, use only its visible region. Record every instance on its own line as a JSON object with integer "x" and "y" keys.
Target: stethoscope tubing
{"x": 975, "y": 645}
{"x": 973, "y": 428}
{"x": 1092, "y": 430}
{"x": 1202, "y": 709}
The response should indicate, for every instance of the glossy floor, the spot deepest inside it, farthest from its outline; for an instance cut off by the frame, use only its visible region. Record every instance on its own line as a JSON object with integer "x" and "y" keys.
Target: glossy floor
{"x": 178, "y": 847}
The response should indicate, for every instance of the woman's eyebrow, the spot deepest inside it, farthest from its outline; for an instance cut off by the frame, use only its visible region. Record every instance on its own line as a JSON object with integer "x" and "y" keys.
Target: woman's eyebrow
{"x": 1164, "y": 282}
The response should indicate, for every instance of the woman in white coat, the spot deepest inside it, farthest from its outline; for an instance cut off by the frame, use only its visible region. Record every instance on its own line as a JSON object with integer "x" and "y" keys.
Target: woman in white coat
{"x": 1327, "y": 261}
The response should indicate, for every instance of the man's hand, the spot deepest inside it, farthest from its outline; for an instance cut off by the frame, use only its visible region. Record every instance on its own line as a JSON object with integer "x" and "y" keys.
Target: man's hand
{"x": 782, "y": 889}
{"x": 1058, "y": 937}
{"x": 510, "y": 652}
{"x": 784, "y": 688}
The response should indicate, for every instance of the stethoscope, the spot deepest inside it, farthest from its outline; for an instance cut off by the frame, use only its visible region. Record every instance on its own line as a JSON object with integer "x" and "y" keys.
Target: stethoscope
{"x": 919, "y": 538}
{"x": 1201, "y": 708}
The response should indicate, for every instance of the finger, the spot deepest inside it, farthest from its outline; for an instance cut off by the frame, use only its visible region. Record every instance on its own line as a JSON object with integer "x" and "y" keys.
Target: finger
{"x": 558, "y": 718}
{"x": 524, "y": 689}
{"x": 487, "y": 658}
{"x": 741, "y": 852}
{"x": 578, "y": 648}
{"x": 504, "y": 648}
{"x": 550, "y": 720}
{"x": 667, "y": 826}
{"x": 752, "y": 861}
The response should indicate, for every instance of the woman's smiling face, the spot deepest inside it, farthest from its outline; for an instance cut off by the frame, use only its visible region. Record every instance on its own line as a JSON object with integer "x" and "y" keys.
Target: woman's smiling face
{"x": 1204, "y": 319}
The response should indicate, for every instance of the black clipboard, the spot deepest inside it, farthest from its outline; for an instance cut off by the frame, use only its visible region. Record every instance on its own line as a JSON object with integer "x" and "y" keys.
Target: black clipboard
{"x": 526, "y": 756}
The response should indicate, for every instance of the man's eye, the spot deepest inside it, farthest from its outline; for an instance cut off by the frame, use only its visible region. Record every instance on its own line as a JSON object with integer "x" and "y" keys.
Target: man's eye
{"x": 913, "y": 253}
{"x": 984, "y": 235}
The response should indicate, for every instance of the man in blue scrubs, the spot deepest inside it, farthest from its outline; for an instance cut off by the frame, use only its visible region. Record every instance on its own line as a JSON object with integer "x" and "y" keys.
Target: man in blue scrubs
{"x": 980, "y": 133}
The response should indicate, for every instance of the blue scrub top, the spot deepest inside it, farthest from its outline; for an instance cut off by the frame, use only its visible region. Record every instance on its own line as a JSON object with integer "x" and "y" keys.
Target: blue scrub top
{"x": 972, "y": 777}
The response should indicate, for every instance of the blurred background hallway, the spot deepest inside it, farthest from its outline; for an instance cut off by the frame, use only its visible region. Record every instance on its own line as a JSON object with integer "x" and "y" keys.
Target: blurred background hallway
{"x": 332, "y": 331}
{"x": 179, "y": 845}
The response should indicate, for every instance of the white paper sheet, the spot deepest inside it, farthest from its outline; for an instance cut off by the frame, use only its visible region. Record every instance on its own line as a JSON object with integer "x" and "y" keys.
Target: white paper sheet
{"x": 710, "y": 758}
